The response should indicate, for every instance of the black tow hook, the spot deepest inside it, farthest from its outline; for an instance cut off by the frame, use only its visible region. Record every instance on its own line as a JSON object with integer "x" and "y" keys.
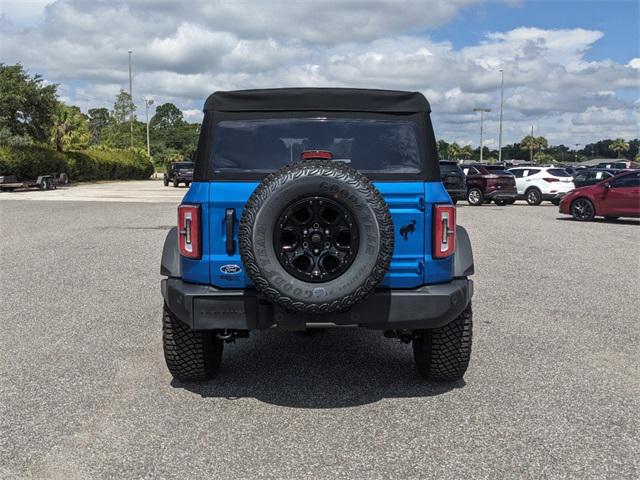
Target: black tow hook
{"x": 230, "y": 336}
{"x": 405, "y": 335}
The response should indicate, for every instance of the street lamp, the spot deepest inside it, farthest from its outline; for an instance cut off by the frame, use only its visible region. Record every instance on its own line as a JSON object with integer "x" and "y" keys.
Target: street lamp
{"x": 147, "y": 103}
{"x": 482, "y": 112}
{"x": 501, "y": 104}
{"x": 130, "y": 97}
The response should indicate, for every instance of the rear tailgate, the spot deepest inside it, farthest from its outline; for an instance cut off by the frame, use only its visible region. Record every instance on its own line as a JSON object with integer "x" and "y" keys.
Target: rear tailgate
{"x": 411, "y": 211}
{"x": 502, "y": 182}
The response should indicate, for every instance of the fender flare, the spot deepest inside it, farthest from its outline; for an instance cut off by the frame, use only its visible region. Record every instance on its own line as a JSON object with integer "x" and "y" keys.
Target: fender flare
{"x": 170, "y": 263}
{"x": 463, "y": 260}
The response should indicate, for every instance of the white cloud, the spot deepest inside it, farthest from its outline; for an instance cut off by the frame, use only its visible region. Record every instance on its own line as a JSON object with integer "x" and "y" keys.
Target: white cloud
{"x": 182, "y": 53}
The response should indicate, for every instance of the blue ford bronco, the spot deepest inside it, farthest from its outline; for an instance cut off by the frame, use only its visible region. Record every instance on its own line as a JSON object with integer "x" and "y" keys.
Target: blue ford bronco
{"x": 315, "y": 208}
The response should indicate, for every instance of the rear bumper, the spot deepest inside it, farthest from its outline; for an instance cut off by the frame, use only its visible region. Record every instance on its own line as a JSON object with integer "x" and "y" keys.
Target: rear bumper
{"x": 501, "y": 195}
{"x": 203, "y": 307}
{"x": 553, "y": 197}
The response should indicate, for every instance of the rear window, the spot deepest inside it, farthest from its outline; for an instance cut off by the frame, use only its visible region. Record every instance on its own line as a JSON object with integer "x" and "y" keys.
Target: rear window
{"x": 183, "y": 165}
{"x": 450, "y": 168}
{"x": 558, "y": 172}
{"x": 368, "y": 145}
{"x": 498, "y": 170}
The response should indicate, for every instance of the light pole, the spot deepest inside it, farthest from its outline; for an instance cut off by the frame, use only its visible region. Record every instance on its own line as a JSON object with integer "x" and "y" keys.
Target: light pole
{"x": 531, "y": 146}
{"x": 501, "y": 104}
{"x": 147, "y": 103}
{"x": 130, "y": 98}
{"x": 576, "y": 151}
{"x": 482, "y": 112}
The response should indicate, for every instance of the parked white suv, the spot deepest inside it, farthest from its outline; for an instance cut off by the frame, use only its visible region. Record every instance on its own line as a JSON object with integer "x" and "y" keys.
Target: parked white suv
{"x": 535, "y": 184}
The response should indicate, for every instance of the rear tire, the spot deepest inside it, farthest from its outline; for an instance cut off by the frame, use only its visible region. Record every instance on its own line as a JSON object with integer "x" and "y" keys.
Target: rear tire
{"x": 443, "y": 354}
{"x": 191, "y": 355}
{"x": 165, "y": 180}
{"x": 186, "y": 184}
{"x": 533, "y": 196}
{"x": 475, "y": 197}
{"x": 176, "y": 183}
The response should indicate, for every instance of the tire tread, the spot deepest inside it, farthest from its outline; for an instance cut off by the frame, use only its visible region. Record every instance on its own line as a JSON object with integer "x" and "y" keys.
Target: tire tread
{"x": 190, "y": 354}
{"x": 443, "y": 353}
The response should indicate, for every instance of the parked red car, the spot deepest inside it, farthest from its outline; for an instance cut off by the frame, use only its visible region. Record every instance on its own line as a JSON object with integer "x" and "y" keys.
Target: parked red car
{"x": 612, "y": 198}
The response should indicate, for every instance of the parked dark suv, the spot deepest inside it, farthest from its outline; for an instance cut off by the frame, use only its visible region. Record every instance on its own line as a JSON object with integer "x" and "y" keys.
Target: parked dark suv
{"x": 484, "y": 186}
{"x": 592, "y": 176}
{"x": 453, "y": 180}
{"x": 313, "y": 208}
{"x": 179, "y": 172}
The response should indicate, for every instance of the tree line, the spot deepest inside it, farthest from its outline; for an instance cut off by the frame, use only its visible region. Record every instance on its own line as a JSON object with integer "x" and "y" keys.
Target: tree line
{"x": 32, "y": 114}
{"x": 537, "y": 149}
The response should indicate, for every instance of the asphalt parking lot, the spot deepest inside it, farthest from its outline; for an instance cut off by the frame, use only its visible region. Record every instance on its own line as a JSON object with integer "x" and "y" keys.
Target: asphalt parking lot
{"x": 553, "y": 390}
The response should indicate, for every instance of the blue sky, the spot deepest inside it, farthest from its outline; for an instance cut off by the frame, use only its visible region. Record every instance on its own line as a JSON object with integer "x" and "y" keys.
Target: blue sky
{"x": 619, "y": 20}
{"x": 572, "y": 68}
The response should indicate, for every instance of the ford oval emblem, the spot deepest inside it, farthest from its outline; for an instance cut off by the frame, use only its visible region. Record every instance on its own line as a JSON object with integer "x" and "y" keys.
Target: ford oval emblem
{"x": 231, "y": 269}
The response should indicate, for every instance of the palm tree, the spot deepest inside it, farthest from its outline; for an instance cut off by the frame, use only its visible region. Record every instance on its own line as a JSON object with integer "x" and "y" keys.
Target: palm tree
{"x": 454, "y": 151}
{"x": 619, "y": 145}
{"x": 466, "y": 152}
{"x": 533, "y": 144}
{"x": 69, "y": 127}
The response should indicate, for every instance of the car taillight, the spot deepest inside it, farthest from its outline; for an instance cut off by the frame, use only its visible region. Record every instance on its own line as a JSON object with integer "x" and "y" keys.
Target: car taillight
{"x": 444, "y": 240}
{"x": 189, "y": 231}
{"x": 551, "y": 180}
{"x": 316, "y": 155}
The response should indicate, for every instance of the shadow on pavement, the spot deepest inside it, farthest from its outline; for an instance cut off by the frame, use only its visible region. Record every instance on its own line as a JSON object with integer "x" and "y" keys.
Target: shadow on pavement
{"x": 331, "y": 369}
{"x": 620, "y": 221}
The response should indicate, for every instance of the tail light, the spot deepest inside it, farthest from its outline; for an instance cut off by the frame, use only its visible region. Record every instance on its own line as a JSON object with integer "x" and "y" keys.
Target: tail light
{"x": 316, "y": 155}
{"x": 189, "y": 231}
{"x": 444, "y": 219}
{"x": 551, "y": 180}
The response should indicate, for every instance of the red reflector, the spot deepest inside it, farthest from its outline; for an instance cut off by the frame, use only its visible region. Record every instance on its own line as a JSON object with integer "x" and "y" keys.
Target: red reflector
{"x": 551, "y": 180}
{"x": 316, "y": 155}
{"x": 189, "y": 231}
{"x": 444, "y": 227}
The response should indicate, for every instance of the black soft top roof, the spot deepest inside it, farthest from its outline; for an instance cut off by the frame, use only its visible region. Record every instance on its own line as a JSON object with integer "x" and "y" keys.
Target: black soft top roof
{"x": 321, "y": 99}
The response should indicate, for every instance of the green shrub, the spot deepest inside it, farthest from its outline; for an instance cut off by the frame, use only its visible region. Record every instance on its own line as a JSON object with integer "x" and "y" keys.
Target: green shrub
{"x": 27, "y": 162}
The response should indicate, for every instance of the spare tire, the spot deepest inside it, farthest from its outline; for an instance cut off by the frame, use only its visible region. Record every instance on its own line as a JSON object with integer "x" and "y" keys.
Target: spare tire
{"x": 316, "y": 237}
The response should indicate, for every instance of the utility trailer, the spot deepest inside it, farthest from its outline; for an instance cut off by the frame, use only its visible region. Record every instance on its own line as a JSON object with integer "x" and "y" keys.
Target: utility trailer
{"x": 43, "y": 182}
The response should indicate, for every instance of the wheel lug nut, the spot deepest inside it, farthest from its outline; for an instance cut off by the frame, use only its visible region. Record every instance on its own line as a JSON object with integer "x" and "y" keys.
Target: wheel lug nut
{"x": 306, "y": 232}
{"x": 305, "y": 245}
{"x": 327, "y": 232}
{"x": 316, "y": 226}
{"x": 316, "y": 251}
{"x": 327, "y": 245}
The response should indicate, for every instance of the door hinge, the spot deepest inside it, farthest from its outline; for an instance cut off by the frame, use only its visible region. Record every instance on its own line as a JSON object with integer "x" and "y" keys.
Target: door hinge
{"x": 421, "y": 204}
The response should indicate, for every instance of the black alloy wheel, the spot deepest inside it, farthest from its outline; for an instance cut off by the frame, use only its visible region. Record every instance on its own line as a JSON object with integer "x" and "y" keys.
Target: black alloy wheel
{"x": 315, "y": 239}
{"x": 582, "y": 210}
